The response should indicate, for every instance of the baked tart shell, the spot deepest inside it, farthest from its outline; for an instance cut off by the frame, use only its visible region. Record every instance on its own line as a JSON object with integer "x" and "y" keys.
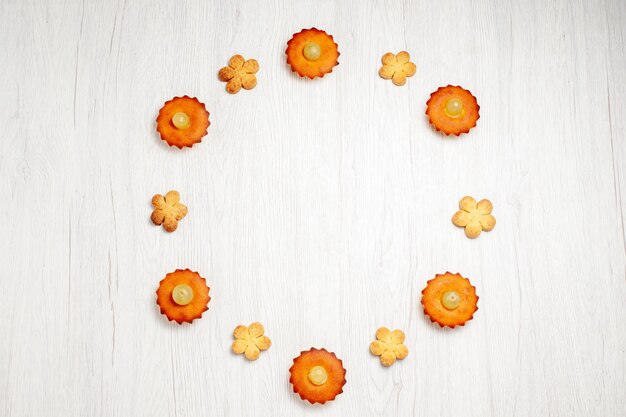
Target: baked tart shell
{"x": 435, "y": 110}
{"x": 193, "y": 310}
{"x": 312, "y": 69}
{"x": 317, "y": 393}
{"x": 183, "y": 137}
{"x": 434, "y": 308}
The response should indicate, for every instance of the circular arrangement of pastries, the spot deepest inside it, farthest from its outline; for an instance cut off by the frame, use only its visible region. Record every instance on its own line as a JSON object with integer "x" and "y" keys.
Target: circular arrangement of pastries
{"x": 183, "y": 121}
{"x": 183, "y": 296}
{"x": 312, "y": 53}
{"x": 452, "y": 110}
{"x": 317, "y": 376}
{"x": 449, "y": 300}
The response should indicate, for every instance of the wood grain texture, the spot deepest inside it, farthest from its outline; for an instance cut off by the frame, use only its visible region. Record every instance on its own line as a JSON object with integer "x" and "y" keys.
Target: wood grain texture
{"x": 318, "y": 208}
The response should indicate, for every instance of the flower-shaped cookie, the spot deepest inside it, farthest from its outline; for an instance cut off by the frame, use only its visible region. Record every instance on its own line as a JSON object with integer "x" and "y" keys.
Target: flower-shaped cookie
{"x": 239, "y": 73}
{"x": 183, "y": 296}
{"x": 250, "y": 340}
{"x": 168, "y": 210}
{"x": 389, "y": 346}
{"x": 397, "y": 67}
{"x": 474, "y": 217}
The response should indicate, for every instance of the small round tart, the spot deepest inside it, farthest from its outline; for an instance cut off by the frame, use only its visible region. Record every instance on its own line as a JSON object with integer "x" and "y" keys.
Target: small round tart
{"x": 452, "y": 110}
{"x": 317, "y": 376}
{"x": 183, "y": 296}
{"x": 449, "y": 300}
{"x": 312, "y": 53}
{"x": 183, "y": 121}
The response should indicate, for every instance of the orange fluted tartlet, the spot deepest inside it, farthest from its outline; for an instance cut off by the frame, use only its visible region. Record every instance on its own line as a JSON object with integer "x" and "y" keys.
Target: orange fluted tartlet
{"x": 183, "y": 121}
{"x": 183, "y": 296}
{"x": 449, "y": 300}
{"x": 317, "y": 376}
{"x": 452, "y": 110}
{"x": 312, "y": 53}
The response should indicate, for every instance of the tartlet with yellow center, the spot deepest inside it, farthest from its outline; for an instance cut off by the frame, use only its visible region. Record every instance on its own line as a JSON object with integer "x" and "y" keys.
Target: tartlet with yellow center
{"x": 183, "y": 296}
{"x": 452, "y": 110}
{"x": 312, "y": 53}
{"x": 317, "y": 376}
{"x": 449, "y": 300}
{"x": 183, "y": 121}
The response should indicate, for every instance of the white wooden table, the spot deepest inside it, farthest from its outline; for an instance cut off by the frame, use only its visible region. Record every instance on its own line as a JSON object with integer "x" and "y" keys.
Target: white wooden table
{"x": 318, "y": 208}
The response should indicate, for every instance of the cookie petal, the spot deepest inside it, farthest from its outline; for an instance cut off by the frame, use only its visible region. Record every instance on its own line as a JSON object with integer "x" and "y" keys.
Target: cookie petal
{"x": 409, "y": 69}
{"x": 226, "y": 74}
{"x": 403, "y": 57}
{"x": 251, "y": 66}
{"x": 263, "y": 342}
{"x": 239, "y": 346}
{"x": 241, "y": 332}
{"x": 170, "y": 223}
{"x": 389, "y": 59}
{"x": 461, "y": 218}
{"x": 484, "y": 206}
{"x": 248, "y": 81}
{"x": 256, "y": 329}
{"x": 172, "y": 197}
{"x": 488, "y": 222}
{"x": 236, "y": 61}
{"x": 157, "y": 217}
{"x": 377, "y": 347}
{"x": 468, "y": 204}
{"x": 473, "y": 229}
{"x": 234, "y": 85}
{"x": 397, "y": 337}
{"x": 401, "y": 351}
{"x": 383, "y": 334}
{"x": 399, "y": 78}
{"x": 388, "y": 358}
{"x": 252, "y": 352}
{"x": 158, "y": 200}
{"x": 386, "y": 72}
{"x": 180, "y": 211}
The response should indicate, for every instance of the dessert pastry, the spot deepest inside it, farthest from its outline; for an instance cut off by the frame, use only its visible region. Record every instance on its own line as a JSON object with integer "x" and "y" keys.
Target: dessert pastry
{"x": 449, "y": 300}
{"x": 168, "y": 210}
{"x": 183, "y": 121}
{"x": 239, "y": 73}
{"x": 397, "y": 67}
{"x": 452, "y": 110}
{"x": 389, "y": 346}
{"x": 312, "y": 53}
{"x": 183, "y": 296}
{"x": 474, "y": 217}
{"x": 250, "y": 340}
{"x": 317, "y": 376}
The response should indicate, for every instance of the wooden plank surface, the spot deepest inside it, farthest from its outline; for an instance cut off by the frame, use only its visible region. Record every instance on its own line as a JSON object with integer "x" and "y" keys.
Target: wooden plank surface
{"x": 318, "y": 208}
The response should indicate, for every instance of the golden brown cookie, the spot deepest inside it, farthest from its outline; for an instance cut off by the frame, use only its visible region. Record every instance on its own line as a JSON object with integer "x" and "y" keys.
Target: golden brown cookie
{"x": 239, "y": 73}
{"x": 397, "y": 67}
{"x": 168, "y": 210}
{"x": 183, "y": 296}
{"x": 452, "y": 110}
{"x": 250, "y": 340}
{"x": 449, "y": 300}
{"x": 474, "y": 217}
{"x": 183, "y": 121}
{"x": 312, "y": 53}
{"x": 317, "y": 376}
{"x": 389, "y": 346}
